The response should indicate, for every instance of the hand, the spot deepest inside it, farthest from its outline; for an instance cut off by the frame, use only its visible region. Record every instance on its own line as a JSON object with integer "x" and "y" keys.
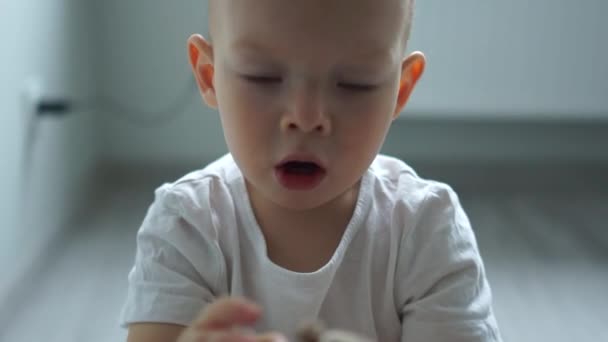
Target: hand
{"x": 224, "y": 320}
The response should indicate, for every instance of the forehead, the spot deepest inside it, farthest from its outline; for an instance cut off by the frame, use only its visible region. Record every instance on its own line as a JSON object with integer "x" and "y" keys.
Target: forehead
{"x": 368, "y": 26}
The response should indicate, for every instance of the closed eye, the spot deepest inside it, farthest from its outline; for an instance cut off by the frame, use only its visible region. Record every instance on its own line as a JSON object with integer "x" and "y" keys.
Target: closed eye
{"x": 357, "y": 87}
{"x": 262, "y": 79}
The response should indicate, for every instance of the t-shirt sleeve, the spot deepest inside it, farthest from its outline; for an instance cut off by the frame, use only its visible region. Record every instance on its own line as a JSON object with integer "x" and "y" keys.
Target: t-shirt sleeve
{"x": 442, "y": 290}
{"x": 176, "y": 270}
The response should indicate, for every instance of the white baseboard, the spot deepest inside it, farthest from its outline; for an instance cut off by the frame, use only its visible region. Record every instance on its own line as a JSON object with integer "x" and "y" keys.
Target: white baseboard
{"x": 499, "y": 139}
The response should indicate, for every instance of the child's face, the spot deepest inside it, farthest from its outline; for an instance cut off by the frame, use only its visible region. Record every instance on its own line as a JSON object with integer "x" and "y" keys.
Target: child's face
{"x": 314, "y": 80}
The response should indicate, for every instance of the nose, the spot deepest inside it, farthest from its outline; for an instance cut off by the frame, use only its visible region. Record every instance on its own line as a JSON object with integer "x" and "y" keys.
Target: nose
{"x": 306, "y": 111}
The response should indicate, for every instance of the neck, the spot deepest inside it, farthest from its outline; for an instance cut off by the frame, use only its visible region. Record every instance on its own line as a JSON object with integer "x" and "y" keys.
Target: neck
{"x": 304, "y": 241}
{"x": 332, "y": 215}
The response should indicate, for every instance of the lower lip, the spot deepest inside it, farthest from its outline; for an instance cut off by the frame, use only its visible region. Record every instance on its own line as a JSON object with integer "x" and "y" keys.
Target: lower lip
{"x": 299, "y": 182}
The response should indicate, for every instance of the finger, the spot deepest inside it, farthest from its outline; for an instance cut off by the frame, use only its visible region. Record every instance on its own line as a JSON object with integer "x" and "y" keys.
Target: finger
{"x": 216, "y": 336}
{"x": 226, "y": 313}
{"x": 226, "y": 336}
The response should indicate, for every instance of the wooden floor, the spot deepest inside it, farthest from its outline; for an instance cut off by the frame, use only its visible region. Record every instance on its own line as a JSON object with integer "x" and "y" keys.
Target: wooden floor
{"x": 546, "y": 255}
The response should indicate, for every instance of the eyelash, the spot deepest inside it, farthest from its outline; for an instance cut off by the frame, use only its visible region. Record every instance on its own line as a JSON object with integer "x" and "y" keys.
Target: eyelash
{"x": 270, "y": 80}
{"x": 357, "y": 87}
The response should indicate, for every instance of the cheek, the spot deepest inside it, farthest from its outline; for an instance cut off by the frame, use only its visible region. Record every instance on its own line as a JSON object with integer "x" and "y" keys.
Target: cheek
{"x": 365, "y": 135}
{"x": 243, "y": 99}
{"x": 367, "y": 121}
{"x": 244, "y": 117}
{"x": 246, "y": 127}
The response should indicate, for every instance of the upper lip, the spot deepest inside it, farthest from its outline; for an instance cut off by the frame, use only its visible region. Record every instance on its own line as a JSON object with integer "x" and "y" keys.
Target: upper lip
{"x": 302, "y": 158}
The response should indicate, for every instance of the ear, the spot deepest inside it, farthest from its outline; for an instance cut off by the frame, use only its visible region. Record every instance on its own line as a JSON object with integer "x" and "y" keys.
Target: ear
{"x": 411, "y": 71}
{"x": 200, "y": 53}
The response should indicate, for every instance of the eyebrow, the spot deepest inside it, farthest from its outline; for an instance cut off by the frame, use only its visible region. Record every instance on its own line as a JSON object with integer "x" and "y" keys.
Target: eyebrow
{"x": 375, "y": 55}
{"x": 375, "y": 52}
{"x": 353, "y": 62}
{"x": 248, "y": 46}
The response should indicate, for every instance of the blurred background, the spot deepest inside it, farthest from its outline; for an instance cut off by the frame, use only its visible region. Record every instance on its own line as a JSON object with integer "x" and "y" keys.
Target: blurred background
{"x": 512, "y": 112}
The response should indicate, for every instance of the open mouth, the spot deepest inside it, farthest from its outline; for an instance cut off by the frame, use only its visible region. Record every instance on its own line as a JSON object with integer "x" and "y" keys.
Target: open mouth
{"x": 299, "y": 175}
{"x": 301, "y": 168}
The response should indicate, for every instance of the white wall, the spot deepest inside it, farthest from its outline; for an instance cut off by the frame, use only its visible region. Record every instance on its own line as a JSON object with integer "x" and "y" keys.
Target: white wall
{"x": 516, "y": 57}
{"x": 489, "y": 60}
{"x": 48, "y": 40}
{"x": 145, "y": 65}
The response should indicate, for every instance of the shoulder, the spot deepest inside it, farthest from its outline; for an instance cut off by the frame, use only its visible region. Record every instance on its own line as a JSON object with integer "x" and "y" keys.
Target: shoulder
{"x": 425, "y": 214}
{"x": 439, "y": 279}
{"x": 190, "y": 211}
{"x": 399, "y": 183}
{"x": 179, "y": 264}
{"x": 201, "y": 189}
{"x": 180, "y": 231}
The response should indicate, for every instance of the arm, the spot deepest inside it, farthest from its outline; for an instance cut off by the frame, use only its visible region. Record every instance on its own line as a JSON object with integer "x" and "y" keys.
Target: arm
{"x": 176, "y": 272}
{"x": 177, "y": 279}
{"x": 442, "y": 290}
{"x": 223, "y": 320}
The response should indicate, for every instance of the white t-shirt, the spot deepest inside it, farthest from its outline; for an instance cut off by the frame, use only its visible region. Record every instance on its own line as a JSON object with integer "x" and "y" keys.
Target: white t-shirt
{"x": 407, "y": 268}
